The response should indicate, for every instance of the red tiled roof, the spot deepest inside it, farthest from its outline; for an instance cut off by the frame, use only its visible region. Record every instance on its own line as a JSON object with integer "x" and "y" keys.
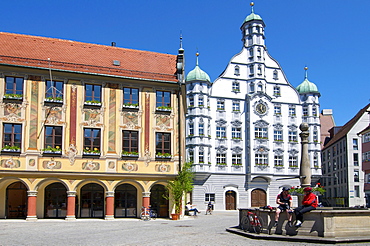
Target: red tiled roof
{"x": 34, "y": 51}
{"x": 347, "y": 127}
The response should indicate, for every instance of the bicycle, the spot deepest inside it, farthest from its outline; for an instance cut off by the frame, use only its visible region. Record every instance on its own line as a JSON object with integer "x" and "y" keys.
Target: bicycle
{"x": 251, "y": 221}
{"x": 147, "y": 214}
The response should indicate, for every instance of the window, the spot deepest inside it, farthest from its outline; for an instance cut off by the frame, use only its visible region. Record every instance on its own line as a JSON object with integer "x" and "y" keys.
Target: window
{"x": 201, "y": 156}
{"x": 163, "y": 143}
{"x": 315, "y": 136}
{"x": 92, "y": 140}
{"x": 93, "y": 93}
{"x": 130, "y": 143}
{"x": 355, "y": 159}
{"x": 236, "y": 133}
{"x": 54, "y": 90}
{"x": 278, "y": 135}
{"x": 260, "y": 88}
{"x": 315, "y": 161}
{"x": 191, "y": 155}
{"x": 13, "y": 87}
{"x": 210, "y": 197}
{"x": 191, "y": 129}
{"x": 201, "y": 129}
{"x": 277, "y": 110}
{"x": 236, "y": 86}
{"x": 278, "y": 161}
{"x": 163, "y": 99}
{"x": 53, "y": 138}
{"x": 259, "y": 70}
{"x": 357, "y": 191}
{"x": 130, "y": 97}
{"x": 237, "y": 70}
{"x": 251, "y": 70}
{"x": 356, "y": 176}
{"x": 220, "y": 105}
{"x": 292, "y": 111}
{"x": 277, "y": 91}
{"x": 293, "y": 161}
{"x": 12, "y": 136}
{"x": 191, "y": 101}
{"x": 366, "y": 137}
{"x": 251, "y": 52}
{"x": 251, "y": 88}
{"x": 220, "y": 159}
{"x": 314, "y": 111}
{"x": 261, "y": 159}
{"x": 355, "y": 144}
{"x": 260, "y": 132}
{"x": 259, "y": 53}
{"x": 305, "y": 111}
{"x": 236, "y": 159}
{"x": 275, "y": 75}
{"x": 200, "y": 101}
{"x": 292, "y": 136}
{"x": 220, "y": 132}
{"x": 236, "y": 106}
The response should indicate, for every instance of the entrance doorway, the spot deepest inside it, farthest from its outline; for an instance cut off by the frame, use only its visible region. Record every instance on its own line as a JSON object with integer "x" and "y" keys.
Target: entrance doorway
{"x": 16, "y": 201}
{"x": 125, "y": 201}
{"x": 230, "y": 198}
{"x": 92, "y": 201}
{"x": 158, "y": 202}
{"x": 55, "y": 204}
{"x": 258, "y": 198}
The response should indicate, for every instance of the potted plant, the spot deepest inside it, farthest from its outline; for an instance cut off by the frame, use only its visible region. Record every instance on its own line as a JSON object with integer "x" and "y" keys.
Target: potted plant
{"x": 163, "y": 155}
{"x": 130, "y": 153}
{"x": 13, "y": 96}
{"x": 177, "y": 188}
{"x": 51, "y": 150}
{"x": 93, "y": 103}
{"x": 131, "y": 105}
{"x": 88, "y": 151}
{"x": 54, "y": 99}
{"x": 164, "y": 108}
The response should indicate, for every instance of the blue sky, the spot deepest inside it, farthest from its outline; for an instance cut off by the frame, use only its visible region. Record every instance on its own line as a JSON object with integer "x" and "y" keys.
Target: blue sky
{"x": 331, "y": 37}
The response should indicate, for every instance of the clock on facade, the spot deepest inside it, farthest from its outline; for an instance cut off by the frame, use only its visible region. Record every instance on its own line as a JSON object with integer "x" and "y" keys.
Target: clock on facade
{"x": 261, "y": 108}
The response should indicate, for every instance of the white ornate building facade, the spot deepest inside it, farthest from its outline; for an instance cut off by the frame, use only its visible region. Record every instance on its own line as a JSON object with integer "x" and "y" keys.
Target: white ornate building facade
{"x": 243, "y": 128}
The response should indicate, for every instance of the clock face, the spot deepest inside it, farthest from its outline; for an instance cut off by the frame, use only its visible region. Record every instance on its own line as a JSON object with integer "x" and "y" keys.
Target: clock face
{"x": 261, "y": 108}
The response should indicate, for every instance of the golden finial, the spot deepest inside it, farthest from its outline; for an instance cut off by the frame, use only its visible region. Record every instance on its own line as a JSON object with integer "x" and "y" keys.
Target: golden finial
{"x": 306, "y": 68}
{"x": 197, "y": 54}
{"x": 252, "y": 4}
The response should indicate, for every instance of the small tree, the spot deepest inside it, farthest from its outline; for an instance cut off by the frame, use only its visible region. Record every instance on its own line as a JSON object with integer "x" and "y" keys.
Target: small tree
{"x": 182, "y": 184}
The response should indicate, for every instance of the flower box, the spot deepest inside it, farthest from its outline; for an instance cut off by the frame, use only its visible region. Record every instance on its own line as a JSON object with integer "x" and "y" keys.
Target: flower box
{"x": 91, "y": 153}
{"x": 129, "y": 105}
{"x": 164, "y": 109}
{"x": 13, "y": 149}
{"x": 132, "y": 154}
{"x": 13, "y": 96}
{"x": 53, "y": 100}
{"x": 52, "y": 152}
{"x": 93, "y": 103}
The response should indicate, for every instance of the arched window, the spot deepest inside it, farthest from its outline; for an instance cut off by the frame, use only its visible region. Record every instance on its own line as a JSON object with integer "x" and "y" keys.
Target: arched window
{"x": 237, "y": 70}
{"x": 275, "y": 74}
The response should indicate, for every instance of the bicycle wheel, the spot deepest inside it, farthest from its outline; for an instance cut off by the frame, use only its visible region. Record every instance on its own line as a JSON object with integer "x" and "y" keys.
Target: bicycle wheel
{"x": 258, "y": 227}
{"x": 154, "y": 215}
{"x": 144, "y": 216}
{"x": 245, "y": 223}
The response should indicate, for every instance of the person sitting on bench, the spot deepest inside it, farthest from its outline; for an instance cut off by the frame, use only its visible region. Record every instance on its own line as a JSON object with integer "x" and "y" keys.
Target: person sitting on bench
{"x": 189, "y": 207}
{"x": 309, "y": 203}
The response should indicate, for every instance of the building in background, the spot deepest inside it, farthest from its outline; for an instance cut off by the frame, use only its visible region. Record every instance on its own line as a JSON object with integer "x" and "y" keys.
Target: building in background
{"x": 365, "y": 137}
{"x": 243, "y": 128}
{"x": 342, "y": 155}
{"x": 88, "y": 131}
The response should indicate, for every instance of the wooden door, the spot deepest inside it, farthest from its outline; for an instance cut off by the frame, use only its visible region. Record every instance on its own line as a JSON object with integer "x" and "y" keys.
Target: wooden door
{"x": 258, "y": 198}
{"x": 230, "y": 200}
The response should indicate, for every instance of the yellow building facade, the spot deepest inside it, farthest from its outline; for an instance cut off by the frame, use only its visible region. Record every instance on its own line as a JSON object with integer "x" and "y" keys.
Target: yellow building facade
{"x": 88, "y": 131}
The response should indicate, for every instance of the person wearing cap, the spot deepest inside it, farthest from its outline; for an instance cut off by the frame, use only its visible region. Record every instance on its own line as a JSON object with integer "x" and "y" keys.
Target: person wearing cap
{"x": 285, "y": 202}
{"x": 309, "y": 203}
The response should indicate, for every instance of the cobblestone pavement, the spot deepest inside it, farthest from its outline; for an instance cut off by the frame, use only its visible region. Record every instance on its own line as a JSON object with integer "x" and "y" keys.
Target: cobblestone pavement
{"x": 203, "y": 230}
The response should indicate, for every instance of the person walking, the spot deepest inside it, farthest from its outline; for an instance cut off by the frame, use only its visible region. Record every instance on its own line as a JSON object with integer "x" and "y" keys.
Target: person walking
{"x": 285, "y": 202}
{"x": 309, "y": 203}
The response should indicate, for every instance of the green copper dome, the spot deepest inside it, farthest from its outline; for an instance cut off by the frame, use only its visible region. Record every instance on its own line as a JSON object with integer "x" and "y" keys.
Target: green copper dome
{"x": 197, "y": 74}
{"x": 307, "y": 87}
{"x": 252, "y": 16}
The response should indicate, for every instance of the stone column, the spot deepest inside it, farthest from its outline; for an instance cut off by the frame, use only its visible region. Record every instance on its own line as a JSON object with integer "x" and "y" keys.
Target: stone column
{"x": 305, "y": 167}
{"x": 71, "y": 205}
{"x": 146, "y": 199}
{"x": 109, "y": 203}
{"x": 31, "y": 209}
